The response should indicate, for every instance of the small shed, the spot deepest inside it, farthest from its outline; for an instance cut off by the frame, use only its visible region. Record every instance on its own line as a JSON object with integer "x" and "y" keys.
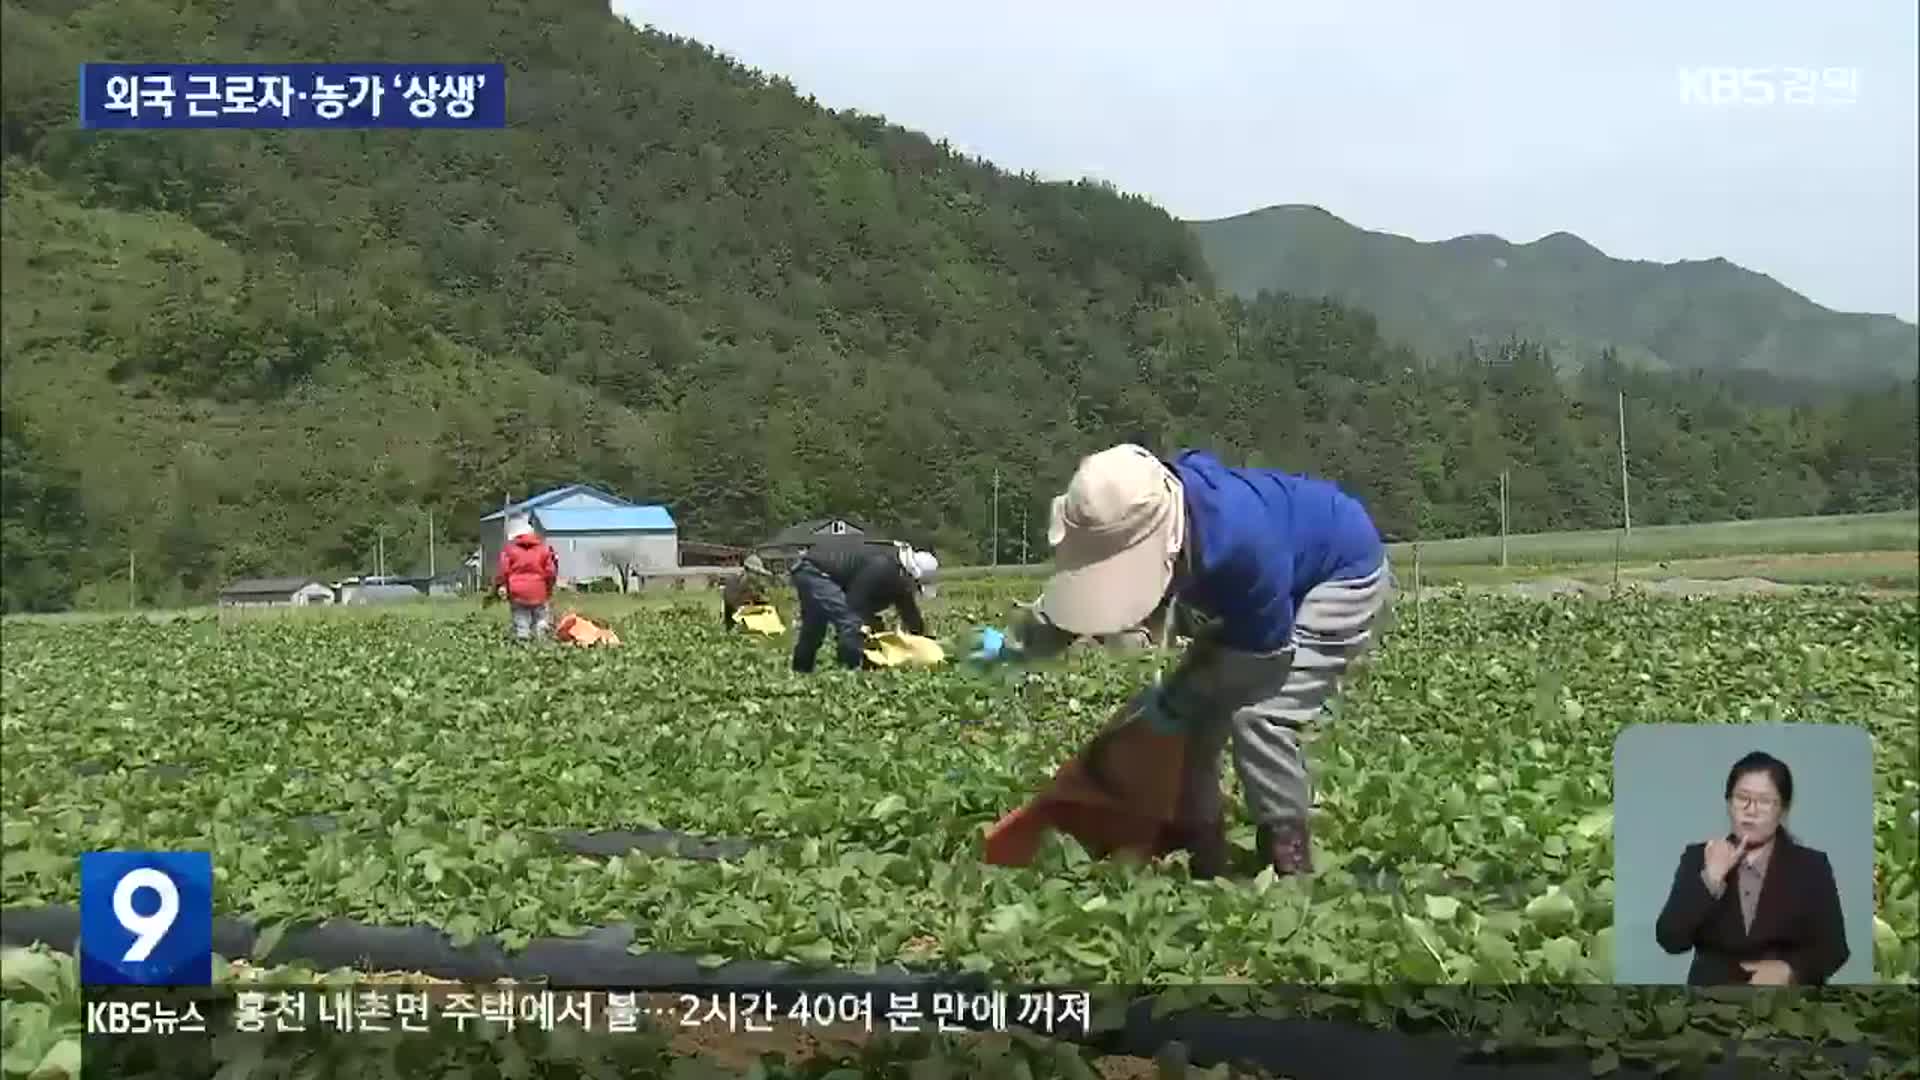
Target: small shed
{"x": 789, "y": 542}
{"x": 701, "y": 553}
{"x": 378, "y": 592}
{"x": 276, "y": 591}
{"x": 442, "y": 583}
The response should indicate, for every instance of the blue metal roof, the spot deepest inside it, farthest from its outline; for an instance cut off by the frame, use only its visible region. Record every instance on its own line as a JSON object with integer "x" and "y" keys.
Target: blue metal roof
{"x": 605, "y": 519}
{"x": 534, "y": 502}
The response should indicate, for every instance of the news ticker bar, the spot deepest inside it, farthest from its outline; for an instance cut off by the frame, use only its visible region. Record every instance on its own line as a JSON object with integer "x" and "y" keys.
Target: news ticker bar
{"x": 420, "y": 1009}
{"x": 421, "y": 95}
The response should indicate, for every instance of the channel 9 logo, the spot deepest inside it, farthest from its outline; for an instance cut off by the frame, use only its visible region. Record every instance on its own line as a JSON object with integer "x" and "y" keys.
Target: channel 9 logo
{"x": 146, "y": 918}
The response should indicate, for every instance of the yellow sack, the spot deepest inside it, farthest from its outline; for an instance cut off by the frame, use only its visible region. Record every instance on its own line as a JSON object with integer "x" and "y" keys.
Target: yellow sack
{"x": 897, "y": 648}
{"x": 760, "y": 619}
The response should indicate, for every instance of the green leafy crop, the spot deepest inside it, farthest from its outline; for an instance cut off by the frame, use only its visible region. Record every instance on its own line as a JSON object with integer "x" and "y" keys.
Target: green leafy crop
{"x": 404, "y": 769}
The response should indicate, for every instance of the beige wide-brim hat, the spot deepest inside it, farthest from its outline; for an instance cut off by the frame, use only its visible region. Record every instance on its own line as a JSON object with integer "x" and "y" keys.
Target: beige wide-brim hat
{"x": 1115, "y": 535}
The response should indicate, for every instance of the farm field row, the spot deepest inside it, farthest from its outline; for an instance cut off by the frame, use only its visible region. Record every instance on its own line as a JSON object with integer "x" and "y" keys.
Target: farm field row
{"x": 403, "y": 770}
{"x": 1472, "y": 757}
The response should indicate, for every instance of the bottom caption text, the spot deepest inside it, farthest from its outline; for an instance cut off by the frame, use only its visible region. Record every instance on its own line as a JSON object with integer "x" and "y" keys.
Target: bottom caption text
{"x": 383, "y": 1009}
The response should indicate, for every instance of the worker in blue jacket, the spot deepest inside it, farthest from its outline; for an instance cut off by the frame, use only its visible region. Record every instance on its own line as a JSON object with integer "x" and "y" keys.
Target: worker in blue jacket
{"x": 1290, "y": 577}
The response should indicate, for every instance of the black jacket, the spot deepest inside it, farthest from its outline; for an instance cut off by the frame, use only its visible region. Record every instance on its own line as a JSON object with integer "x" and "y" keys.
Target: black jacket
{"x": 869, "y": 572}
{"x": 1797, "y": 918}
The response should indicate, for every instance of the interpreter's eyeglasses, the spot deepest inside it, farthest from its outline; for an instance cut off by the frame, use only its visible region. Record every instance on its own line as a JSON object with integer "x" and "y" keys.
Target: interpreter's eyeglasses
{"x": 1754, "y": 802}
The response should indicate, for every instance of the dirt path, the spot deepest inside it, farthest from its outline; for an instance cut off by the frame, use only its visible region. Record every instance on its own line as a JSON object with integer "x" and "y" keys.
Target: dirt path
{"x": 1875, "y": 573}
{"x": 1547, "y": 588}
{"x": 1550, "y": 587}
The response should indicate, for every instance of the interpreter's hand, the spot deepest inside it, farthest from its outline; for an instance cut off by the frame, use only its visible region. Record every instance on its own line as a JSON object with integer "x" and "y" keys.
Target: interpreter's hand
{"x": 1722, "y": 855}
{"x": 1768, "y": 973}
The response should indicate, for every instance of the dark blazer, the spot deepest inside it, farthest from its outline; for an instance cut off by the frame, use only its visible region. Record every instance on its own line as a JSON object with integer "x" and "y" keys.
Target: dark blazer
{"x": 1797, "y": 918}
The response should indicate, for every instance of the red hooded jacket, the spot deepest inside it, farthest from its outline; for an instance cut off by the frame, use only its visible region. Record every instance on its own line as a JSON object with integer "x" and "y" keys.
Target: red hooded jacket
{"x": 528, "y": 568}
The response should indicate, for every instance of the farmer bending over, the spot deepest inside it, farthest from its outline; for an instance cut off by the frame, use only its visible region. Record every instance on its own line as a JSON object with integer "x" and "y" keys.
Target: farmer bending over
{"x": 525, "y": 578}
{"x": 847, "y": 583}
{"x": 1291, "y": 574}
{"x": 752, "y": 587}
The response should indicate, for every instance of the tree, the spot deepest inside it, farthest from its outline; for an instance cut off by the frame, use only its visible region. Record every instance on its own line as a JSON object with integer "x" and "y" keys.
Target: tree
{"x": 627, "y": 563}
{"x": 42, "y": 527}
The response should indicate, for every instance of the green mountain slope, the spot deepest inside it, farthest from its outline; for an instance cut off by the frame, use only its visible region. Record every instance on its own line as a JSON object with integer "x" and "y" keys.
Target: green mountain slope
{"x": 234, "y": 353}
{"x": 1709, "y": 315}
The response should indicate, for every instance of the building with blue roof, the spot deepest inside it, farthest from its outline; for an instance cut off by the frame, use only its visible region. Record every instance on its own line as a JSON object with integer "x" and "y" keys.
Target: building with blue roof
{"x": 595, "y": 534}
{"x": 572, "y": 496}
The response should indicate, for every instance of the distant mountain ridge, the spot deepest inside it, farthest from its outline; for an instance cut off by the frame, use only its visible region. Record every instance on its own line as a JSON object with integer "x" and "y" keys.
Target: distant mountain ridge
{"x": 1437, "y": 296}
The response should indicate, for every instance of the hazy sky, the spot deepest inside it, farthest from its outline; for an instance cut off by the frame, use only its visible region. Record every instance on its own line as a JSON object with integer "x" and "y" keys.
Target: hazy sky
{"x": 1429, "y": 119}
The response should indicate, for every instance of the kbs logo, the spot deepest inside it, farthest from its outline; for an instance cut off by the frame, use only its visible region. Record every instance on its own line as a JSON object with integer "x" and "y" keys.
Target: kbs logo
{"x": 1757, "y": 86}
{"x": 146, "y": 918}
{"x": 143, "y": 1018}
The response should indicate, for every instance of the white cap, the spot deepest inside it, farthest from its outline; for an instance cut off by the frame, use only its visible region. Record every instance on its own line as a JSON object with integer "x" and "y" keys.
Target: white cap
{"x": 518, "y": 527}
{"x": 922, "y": 565}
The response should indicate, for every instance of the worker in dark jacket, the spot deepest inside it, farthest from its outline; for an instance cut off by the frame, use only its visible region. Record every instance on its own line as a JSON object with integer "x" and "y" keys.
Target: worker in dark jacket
{"x": 845, "y": 584}
{"x": 753, "y": 586}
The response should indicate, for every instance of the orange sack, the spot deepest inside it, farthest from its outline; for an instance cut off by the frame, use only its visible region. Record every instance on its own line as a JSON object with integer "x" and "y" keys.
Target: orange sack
{"x": 575, "y": 630}
{"x": 1127, "y": 815}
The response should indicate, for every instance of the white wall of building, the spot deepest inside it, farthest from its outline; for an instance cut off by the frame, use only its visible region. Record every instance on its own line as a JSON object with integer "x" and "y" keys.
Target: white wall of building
{"x": 583, "y": 556}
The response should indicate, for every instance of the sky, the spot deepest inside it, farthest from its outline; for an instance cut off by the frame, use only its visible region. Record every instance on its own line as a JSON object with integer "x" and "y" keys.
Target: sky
{"x": 1432, "y": 120}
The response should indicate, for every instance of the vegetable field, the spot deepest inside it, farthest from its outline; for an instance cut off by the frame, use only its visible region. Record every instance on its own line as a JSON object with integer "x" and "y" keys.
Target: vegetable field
{"x": 413, "y": 768}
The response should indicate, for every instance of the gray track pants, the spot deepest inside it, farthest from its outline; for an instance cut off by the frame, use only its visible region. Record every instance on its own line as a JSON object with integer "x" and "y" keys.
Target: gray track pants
{"x": 1263, "y": 701}
{"x": 530, "y": 621}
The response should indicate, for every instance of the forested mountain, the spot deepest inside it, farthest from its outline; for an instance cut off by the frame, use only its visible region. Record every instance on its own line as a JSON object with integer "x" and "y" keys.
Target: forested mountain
{"x": 250, "y": 352}
{"x": 1559, "y": 290}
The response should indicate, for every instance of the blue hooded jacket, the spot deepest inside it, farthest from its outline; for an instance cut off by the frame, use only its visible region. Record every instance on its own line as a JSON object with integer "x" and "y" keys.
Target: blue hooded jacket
{"x": 1260, "y": 539}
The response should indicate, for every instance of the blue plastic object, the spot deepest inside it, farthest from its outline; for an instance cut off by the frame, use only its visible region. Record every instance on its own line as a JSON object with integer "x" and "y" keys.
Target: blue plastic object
{"x": 993, "y": 644}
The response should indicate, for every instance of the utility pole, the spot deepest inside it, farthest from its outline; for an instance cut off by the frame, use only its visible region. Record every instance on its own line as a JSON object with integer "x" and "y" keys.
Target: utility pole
{"x": 430, "y": 564}
{"x": 380, "y": 555}
{"x": 1023, "y": 532}
{"x": 996, "y": 517}
{"x": 1503, "y": 519}
{"x": 130, "y": 589}
{"x": 1626, "y": 508}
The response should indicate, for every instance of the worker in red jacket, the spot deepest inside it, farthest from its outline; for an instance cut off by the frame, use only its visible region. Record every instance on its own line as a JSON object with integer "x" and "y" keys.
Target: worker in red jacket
{"x": 525, "y": 579}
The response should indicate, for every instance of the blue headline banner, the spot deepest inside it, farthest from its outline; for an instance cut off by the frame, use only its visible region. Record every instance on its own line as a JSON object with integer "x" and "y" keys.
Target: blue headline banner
{"x": 293, "y": 96}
